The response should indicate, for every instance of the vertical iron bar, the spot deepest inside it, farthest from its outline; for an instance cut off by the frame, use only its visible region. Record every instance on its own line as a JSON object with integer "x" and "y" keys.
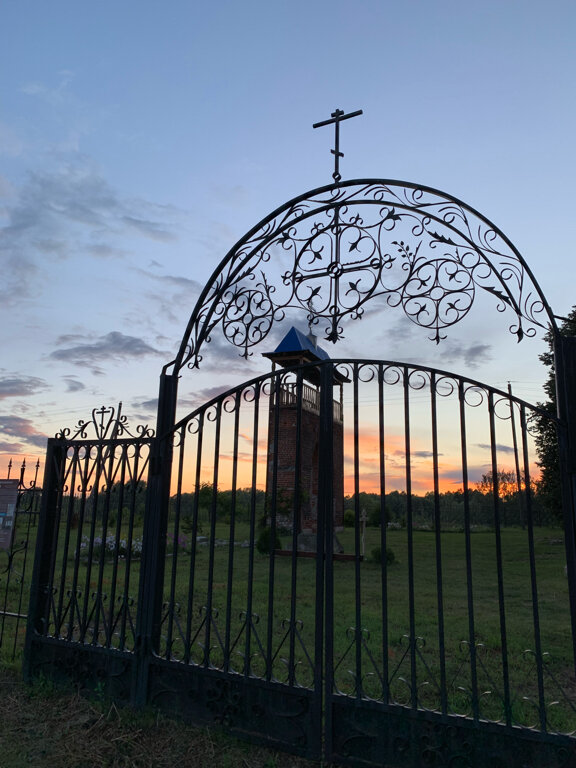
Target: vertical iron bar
{"x": 274, "y": 440}
{"x": 232, "y": 530}
{"x": 516, "y": 459}
{"x": 468, "y": 540}
{"x": 533, "y": 581}
{"x": 383, "y": 537}
{"x": 357, "y": 541}
{"x": 410, "y": 536}
{"x": 107, "y": 469}
{"x": 296, "y": 511}
{"x": 250, "y": 586}
{"x": 499, "y": 564}
{"x": 193, "y": 551}
{"x": 117, "y": 538}
{"x": 296, "y": 518}
{"x": 134, "y": 490}
{"x": 94, "y": 515}
{"x": 438, "y": 536}
{"x": 69, "y": 519}
{"x": 212, "y": 553}
{"x": 324, "y": 629}
{"x": 175, "y": 554}
{"x": 75, "y": 592}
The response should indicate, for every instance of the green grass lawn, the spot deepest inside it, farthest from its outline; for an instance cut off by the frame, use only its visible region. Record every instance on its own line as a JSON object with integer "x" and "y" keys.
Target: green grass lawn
{"x": 387, "y": 623}
{"x": 371, "y": 651}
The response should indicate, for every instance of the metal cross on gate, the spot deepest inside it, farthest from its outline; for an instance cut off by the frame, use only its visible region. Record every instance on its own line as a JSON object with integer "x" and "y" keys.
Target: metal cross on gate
{"x": 336, "y": 118}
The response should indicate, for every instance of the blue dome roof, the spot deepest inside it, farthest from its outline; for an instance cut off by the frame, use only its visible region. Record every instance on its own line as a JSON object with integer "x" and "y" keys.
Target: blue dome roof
{"x": 295, "y": 341}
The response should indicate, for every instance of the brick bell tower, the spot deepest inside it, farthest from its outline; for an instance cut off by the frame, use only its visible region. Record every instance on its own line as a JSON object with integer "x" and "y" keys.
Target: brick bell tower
{"x": 299, "y": 458}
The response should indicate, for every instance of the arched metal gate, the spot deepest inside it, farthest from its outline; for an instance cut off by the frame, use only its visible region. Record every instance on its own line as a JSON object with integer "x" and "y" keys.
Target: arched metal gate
{"x": 430, "y": 620}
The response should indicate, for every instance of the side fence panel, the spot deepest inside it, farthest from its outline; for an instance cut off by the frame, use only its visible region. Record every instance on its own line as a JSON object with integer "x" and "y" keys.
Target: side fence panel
{"x": 83, "y": 611}
{"x": 17, "y": 542}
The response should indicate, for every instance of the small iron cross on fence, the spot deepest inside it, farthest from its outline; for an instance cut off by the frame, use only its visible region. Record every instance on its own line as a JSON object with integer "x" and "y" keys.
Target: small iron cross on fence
{"x": 337, "y": 118}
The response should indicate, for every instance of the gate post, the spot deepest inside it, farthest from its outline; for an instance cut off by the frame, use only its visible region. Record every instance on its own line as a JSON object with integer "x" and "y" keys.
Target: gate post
{"x": 151, "y": 586}
{"x": 565, "y": 369}
{"x": 324, "y": 553}
{"x": 46, "y": 547}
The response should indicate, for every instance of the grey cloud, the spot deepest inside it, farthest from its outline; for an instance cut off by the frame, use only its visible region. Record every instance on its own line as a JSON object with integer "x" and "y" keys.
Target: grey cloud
{"x": 70, "y": 210}
{"x": 112, "y": 346}
{"x": 206, "y": 394}
{"x": 180, "y": 282}
{"x": 219, "y": 357}
{"x": 477, "y": 354}
{"x": 54, "y": 247}
{"x": 20, "y": 386}
{"x": 22, "y": 429}
{"x": 105, "y": 251}
{"x": 176, "y": 281}
{"x": 416, "y": 454}
{"x": 174, "y": 292}
{"x": 499, "y": 447}
{"x": 69, "y": 338}
{"x": 149, "y": 228}
{"x": 451, "y": 474}
{"x": 147, "y": 405}
{"x": 73, "y": 385}
{"x": 11, "y": 448}
{"x": 472, "y": 355}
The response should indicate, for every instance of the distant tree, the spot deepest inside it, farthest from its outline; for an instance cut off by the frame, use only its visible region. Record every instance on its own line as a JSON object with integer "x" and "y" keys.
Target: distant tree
{"x": 506, "y": 481}
{"x": 544, "y": 428}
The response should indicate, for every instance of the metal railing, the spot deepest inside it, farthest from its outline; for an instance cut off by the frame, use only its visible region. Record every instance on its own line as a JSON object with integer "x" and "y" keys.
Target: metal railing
{"x": 16, "y": 561}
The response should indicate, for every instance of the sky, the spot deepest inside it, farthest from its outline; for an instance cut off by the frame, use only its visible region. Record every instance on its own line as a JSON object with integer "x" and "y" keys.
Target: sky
{"x": 139, "y": 141}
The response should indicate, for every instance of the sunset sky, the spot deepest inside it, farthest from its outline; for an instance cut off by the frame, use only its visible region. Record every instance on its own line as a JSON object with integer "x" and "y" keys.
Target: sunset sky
{"x": 139, "y": 141}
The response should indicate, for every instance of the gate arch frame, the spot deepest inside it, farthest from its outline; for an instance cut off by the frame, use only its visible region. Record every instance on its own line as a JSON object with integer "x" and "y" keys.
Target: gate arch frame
{"x": 431, "y": 205}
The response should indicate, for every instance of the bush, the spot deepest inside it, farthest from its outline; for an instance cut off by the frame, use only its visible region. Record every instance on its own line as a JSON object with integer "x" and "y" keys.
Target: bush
{"x": 349, "y": 518}
{"x": 387, "y": 559}
{"x": 264, "y": 541}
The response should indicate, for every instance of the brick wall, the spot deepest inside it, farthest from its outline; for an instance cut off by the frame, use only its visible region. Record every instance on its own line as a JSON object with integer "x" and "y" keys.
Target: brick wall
{"x": 306, "y": 456}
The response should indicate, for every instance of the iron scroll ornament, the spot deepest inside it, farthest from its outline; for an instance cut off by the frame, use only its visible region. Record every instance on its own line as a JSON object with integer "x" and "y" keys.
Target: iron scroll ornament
{"x": 344, "y": 244}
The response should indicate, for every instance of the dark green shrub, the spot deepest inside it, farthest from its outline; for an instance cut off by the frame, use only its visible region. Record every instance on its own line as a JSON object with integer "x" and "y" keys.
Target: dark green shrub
{"x": 264, "y": 541}
{"x": 387, "y": 559}
{"x": 349, "y": 518}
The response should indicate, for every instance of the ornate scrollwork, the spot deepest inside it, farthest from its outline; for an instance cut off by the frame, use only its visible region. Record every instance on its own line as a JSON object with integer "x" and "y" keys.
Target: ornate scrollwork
{"x": 105, "y": 424}
{"x": 343, "y": 245}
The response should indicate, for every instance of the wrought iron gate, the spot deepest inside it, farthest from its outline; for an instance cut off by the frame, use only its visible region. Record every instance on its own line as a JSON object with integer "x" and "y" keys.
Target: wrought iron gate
{"x": 458, "y": 651}
{"x": 442, "y": 634}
